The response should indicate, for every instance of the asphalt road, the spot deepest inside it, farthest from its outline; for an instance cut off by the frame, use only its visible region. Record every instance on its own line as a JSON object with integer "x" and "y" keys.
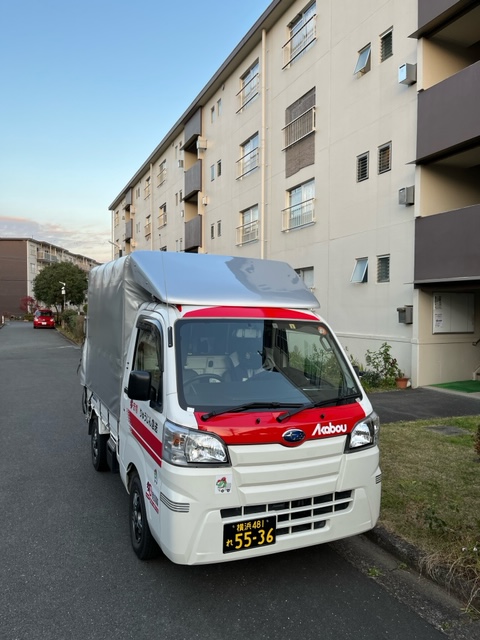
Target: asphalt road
{"x": 67, "y": 570}
{"x": 422, "y": 404}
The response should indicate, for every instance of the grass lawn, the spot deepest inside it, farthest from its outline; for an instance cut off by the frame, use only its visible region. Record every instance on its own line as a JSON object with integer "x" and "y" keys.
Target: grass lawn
{"x": 431, "y": 493}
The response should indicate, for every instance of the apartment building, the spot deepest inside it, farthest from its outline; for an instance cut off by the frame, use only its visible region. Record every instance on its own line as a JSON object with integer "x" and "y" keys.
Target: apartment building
{"x": 21, "y": 260}
{"x": 341, "y": 137}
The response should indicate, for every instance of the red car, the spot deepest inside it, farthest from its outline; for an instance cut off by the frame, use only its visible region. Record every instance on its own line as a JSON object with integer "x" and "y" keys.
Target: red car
{"x": 44, "y": 319}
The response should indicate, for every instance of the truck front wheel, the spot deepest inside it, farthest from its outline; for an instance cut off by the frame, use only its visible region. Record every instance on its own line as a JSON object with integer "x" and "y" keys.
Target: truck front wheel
{"x": 98, "y": 446}
{"x": 143, "y": 542}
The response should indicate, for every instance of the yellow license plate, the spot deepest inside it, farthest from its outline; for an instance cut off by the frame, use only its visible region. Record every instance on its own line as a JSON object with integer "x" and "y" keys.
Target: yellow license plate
{"x": 248, "y": 534}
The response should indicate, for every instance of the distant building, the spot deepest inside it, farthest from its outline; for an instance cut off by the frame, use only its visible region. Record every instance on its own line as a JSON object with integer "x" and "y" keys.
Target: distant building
{"x": 343, "y": 137}
{"x": 21, "y": 260}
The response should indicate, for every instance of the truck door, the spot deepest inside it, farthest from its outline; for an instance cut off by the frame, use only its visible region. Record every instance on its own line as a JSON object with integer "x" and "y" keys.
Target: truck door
{"x": 144, "y": 425}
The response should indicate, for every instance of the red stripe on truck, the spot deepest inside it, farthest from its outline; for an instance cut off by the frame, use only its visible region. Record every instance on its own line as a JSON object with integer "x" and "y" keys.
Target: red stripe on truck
{"x": 250, "y": 312}
{"x": 145, "y": 438}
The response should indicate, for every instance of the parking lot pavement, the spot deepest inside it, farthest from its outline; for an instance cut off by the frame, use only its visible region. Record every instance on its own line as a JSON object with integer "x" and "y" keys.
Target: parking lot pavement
{"x": 423, "y": 403}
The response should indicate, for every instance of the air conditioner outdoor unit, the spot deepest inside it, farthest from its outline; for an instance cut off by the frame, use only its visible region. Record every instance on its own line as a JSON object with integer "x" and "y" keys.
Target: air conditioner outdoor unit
{"x": 407, "y": 74}
{"x": 406, "y": 195}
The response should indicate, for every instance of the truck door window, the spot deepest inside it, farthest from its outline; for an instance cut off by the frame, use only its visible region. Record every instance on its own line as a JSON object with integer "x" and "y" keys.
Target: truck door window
{"x": 147, "y": 358}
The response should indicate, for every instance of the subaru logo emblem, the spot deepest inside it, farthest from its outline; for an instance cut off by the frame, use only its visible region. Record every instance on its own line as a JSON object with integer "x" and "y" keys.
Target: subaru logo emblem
{"x": 294, "y": 436}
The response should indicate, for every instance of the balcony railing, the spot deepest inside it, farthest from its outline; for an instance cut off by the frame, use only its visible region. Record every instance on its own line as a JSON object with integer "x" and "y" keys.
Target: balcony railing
{"x": 248, "y": 91}
{"x": 247, "y": 163}
{"x": 300, "y": 127}
{"x": 298, "y": 215}
{"x": 247, "y": 232}
{"x": 299, "y": 41}
{"x": 162, "y": 219}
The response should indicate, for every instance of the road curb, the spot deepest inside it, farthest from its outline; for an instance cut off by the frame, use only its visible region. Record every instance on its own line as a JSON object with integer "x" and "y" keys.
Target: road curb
{"x": 415, "y": 559}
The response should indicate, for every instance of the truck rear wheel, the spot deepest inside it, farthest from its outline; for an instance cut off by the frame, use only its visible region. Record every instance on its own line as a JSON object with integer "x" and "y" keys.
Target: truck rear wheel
{"x": 98, "y": 446}
{"x": 143, "y": 542}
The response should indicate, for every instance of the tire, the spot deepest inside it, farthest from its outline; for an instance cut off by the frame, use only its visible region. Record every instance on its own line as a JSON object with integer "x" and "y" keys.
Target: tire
{"x": 98, "y": 446}
{"x": 142, "y": 540}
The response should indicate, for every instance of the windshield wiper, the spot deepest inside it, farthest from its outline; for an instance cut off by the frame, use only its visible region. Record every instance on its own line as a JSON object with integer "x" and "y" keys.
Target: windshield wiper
{"x": 322, "y": 403}
{"x": 252, "y": 405}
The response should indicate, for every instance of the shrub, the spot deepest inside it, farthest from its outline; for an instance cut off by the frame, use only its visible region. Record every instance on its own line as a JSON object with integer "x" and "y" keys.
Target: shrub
{"x": 383, "y": 367}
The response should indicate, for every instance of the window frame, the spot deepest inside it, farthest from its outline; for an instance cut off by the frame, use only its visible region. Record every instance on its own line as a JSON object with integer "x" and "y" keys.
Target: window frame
{"x": 249, "y": 160}
{"x": 382, "y": 166}
{"x": 383, "y": 260}
{"x": 360, "y": 271}
{"x": 386, "y": 38}
{"x": 248, "y": 229}
{"x": 303, "y": 28}
{"x": 364, "y": 60}
{"x": 363, "y": 173}
{"x": 249, "y": 85}
{"x": 302, "y": 213}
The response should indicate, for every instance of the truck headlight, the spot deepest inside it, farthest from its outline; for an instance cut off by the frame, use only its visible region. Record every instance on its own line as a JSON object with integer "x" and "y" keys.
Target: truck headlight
{"x": 182, "y": 447}
{"x": 364, "y": 433}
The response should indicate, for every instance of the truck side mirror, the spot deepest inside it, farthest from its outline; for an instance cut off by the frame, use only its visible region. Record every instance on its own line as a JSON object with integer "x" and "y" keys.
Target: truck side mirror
{"x": 139, "y": 384}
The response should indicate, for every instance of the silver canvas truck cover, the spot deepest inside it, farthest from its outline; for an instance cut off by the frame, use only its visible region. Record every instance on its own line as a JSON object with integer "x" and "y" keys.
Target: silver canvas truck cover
{"x": 118, "y": 288}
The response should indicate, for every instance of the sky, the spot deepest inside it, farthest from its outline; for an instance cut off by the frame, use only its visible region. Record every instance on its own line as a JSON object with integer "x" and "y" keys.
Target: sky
{"x": 88, "y": 90}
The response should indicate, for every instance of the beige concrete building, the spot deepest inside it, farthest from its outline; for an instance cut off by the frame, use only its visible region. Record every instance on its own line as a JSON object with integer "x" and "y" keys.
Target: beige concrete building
{"x": 321, "y": 141}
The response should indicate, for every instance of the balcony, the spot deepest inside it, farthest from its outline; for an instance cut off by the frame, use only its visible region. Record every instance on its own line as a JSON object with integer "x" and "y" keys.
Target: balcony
{"x": 128, "y": 230}
{"x": 193, "y": 181}
{"x": 193, "y": 233}
{"x": 193, "y": 129}
{"x": 448, "y": 119}
{"x": 446, "y": 247}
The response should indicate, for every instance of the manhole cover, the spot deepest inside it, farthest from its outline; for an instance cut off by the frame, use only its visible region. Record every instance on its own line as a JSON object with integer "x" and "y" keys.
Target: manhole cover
{"x": 447, "y": 430}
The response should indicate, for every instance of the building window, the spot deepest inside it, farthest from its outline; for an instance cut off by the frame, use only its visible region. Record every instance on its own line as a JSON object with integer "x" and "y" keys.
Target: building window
{"x": 212, "y": 172}
{"x": 164, "y": 248}
{"x": 148, "y": 227}
{"x": 249, "y": 83}
{"x": 219, "y": 107}
{"x": 219, "y": 228}
{"x": 117, "y": 218}
{"x": 162, "y": 172}
{"x": 249, "y": 156}
{"x": 212, "y": 114}
{"x": 162, "y": 215}
{"x": 219, "y": 168}
{"x": 301, "y": 206}
{"x": 362, "y": 167}
{"x": 248, "y": 229}
{"x": 146, "y": 190}
{"x": 363, "y": 62}
{"x": 360, "y": 271}
{"x": 386, "y": 45}
{"x": 383, "y": 269}
{"x": 212, "y": 231}
{"x": 302, "y": 34}
{"x": 137, "y": 228}
{"x": 385, "y": 157}
{"x": 137, "y": 192}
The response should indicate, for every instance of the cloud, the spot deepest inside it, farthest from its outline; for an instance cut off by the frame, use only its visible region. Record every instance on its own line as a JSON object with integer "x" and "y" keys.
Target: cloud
{"x": 88, "y": 239}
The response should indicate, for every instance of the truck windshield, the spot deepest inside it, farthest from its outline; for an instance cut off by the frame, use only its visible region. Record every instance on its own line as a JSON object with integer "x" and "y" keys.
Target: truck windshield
{"x": 230, "y": 363}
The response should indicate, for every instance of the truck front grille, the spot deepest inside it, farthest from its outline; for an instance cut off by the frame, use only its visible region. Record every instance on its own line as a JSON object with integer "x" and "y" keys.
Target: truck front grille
{"x": 293, "y": 516}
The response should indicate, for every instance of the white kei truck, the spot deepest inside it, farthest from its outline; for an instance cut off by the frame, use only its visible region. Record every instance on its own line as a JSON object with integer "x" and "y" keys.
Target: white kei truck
{"x": 237, "y": 423}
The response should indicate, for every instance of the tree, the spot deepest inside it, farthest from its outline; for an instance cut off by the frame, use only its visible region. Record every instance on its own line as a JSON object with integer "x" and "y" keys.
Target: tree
{"x": 48, "y": 288}
{"x": 28, "y": 304}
